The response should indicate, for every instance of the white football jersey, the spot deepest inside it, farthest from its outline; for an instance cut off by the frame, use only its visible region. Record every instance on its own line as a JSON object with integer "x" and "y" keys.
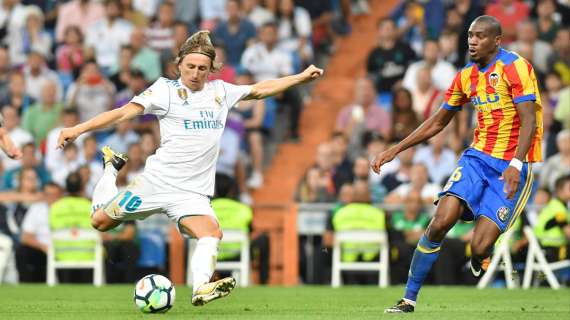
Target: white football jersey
{"x": 191, "y": 125}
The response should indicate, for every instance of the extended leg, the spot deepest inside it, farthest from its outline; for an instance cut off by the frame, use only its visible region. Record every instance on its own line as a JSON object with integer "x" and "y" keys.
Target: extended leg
{"x": 485, "y": 235}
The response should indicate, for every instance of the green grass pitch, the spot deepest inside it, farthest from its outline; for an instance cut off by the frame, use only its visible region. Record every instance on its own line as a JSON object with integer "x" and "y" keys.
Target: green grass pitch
{"x": 304, "y": 302}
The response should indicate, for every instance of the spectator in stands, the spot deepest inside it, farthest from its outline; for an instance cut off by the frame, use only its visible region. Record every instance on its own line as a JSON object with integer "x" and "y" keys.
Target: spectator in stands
{"x": 361, "y": 172}
{"x": 160, "y": 34}
{"x": 408, "y": 226}
{"x": 41, "y": 117}
{"x": 547, "y": 26}
{"x": 317, "y": 184}
{"x": 418, "y": 182}
{"x": 31, "y": 254}
{"x": 266, "y": 61}
{"x": 91, "y": 93}
{"x": 402, "y": 170}
{"x": 81, "y": 13}
{"x": 122, "y": 137}
{"x": 91, "y": 164}
{"x": 404, "y": 118}
{"x": 442, "y": 72}
{"x": 559, "y": 164}
{"x": 16, "y": 95}
{"x": 29, "y": 160}
{"x": 5, "y": 72}
{"x": 321, "y": 13}
{"x": 233, "y": 215}
{"x": 553, "y": 225}
{"x": 70, "y": 55}
{"x": 253, "y": 114}
{"x": 427, "y": 98}
{"x": 449, "y": 47}
{"x": 255, "y": 13}
{"x": 528, "y": 34}
{"x": 37, "y": 73}
{"x": 234, "y": 33}
{"x": 144, "y": 58}
{"x": 294, "y": 31}
{"x": 72, "y": 211}
{"x": 53, "y": 155}
{"x": 374, "y": 145}
{"x": 105, "y": 37}
{"x": 120, "y": 74}
{"x": 147, "y": 7}
{"x": 12, "y": 18}
{"x": 167, "y": 58}
{"x": 341, "y": 160}
{"x": 32, "y": 37}
{"x": 411, "y": 25}
{"x": 509, "y": 13}
{"x": 131, "y": 14}
{"x": 149, "y": 143}
{"x": 122, "y": 252}
{"x": 359, "y": 215}
{"x": 228, "y": 72}
{"x": 363, "y": 115}
{"x": 212, "y": 12}
{"x": 437, "y": 157}
{"x": 187, "y": 12}
{"x": 561, "y": 114}
{"x": 134, "y": 166}
{"x": 559, "y": 61}
{"x": 70, "y": 163}
{"x": 19, "y": 136}
{"x": 388, "y": 62}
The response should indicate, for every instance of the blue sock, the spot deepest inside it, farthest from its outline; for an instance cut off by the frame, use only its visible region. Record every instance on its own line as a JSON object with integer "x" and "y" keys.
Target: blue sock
{"x": 425, "y": 255}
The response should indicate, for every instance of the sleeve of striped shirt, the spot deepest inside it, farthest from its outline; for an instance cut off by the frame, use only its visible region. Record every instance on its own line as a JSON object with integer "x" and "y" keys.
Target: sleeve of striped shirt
{"x": 520, "y": 76}
{"x": 455, "y": 98}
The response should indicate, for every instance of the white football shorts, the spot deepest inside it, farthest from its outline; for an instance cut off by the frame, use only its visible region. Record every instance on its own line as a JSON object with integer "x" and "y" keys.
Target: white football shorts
{"x": 143, "y": 198}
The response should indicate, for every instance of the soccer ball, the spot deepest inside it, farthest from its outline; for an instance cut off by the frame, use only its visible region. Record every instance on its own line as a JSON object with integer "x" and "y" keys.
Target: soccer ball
{"x": 154, "y": 294}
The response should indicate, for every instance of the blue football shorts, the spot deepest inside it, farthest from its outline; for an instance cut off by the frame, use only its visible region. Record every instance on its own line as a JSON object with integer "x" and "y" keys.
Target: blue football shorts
{"x": 476, "y": 182}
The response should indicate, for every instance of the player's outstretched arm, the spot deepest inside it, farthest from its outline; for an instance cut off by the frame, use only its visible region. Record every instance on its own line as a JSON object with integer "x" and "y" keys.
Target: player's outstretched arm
{"x": 432, "y": 126}
{"x": 103, "y": 120}
{"x": 272, "y": 87}
{"x": 8, "y": 146}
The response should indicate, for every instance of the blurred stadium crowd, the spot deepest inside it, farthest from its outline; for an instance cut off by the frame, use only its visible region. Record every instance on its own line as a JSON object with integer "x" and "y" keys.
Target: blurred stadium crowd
{"x": 62, "y": 62}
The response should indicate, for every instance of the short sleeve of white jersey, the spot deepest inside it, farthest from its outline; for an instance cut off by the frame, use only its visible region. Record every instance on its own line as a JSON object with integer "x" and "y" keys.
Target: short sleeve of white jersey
{"x": 233, "y": 93}
{"x": 155, "y": 99}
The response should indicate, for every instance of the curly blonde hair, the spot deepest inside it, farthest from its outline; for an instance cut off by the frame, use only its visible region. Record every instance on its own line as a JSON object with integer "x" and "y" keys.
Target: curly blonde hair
{"x": 201, "y": 43}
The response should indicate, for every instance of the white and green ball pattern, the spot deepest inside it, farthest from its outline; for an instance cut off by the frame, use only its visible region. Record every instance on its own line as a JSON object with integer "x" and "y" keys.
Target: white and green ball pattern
{"x": 154, "y": 294}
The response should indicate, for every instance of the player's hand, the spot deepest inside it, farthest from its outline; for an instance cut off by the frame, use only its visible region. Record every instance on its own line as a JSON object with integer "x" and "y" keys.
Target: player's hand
{"x": 67, "y": 135}
{"x": 311, "y": 73}
{"x": 511, "y": 176}
{"x": 383, "y": 158}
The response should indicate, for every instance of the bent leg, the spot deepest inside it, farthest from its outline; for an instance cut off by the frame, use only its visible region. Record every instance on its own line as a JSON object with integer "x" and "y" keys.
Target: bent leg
{"x": 448, "y": 211}
{"x": 485, "y": 235}
{"x": 102, "y": 222}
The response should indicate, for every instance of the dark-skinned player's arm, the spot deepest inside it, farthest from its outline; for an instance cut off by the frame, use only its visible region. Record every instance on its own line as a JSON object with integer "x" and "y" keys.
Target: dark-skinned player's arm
{"x": 512, "y": 175}
{"x": 432, "y": 126}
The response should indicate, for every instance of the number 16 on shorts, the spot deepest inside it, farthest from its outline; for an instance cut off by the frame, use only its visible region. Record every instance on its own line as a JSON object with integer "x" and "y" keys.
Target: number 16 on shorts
{"x": 130, "y": 202}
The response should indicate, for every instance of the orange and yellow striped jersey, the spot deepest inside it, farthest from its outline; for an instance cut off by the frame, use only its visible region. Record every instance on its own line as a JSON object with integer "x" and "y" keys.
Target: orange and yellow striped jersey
{"x": 493, "y": 91}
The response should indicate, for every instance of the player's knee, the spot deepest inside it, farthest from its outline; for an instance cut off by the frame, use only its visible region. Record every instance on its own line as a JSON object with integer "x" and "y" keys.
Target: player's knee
{"x": 99, "y": 223}
{"x": 437, "y": 230}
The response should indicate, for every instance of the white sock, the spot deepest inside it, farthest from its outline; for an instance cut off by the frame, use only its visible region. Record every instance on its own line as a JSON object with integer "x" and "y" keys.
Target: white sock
{"x": 408, "y": 301}
{"x": 203, "y": 261}
{"x": 105, "y": 189}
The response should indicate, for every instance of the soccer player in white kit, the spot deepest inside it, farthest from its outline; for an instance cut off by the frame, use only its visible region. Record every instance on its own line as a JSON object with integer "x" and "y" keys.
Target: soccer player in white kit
{"x": 179, "y": 179}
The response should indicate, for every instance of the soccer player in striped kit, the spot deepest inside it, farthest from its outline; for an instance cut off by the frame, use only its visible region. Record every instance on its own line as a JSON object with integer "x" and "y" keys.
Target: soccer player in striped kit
{"x": 493, "y": 179}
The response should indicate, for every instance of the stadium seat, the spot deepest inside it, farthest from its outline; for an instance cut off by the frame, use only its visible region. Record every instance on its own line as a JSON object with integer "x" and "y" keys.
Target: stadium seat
{"x": 502, "y": 253}
{"x": 240, "y": 269}
{"x": 379, "y": 237}
{"x": 536, "y": 261}
{"x": 64, "y": 240}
